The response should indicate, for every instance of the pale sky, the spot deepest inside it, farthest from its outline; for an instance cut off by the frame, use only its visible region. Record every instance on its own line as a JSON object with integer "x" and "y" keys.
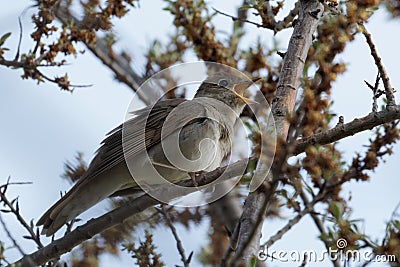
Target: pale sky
{"x": 42, "y": 127}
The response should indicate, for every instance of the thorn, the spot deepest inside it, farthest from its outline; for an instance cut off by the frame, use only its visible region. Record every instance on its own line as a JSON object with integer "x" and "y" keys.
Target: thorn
{"x": 281, "y": 54}
{"x": 190, "y": 257}
{"x": 229, "y": 232}
{"x": 369, "y": 85}
{"x": 314, "y": 13}
{"x": 341, "y": 121}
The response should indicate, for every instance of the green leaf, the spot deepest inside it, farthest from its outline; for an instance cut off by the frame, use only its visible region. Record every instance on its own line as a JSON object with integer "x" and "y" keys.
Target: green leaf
{"x": 170, "y": 10}
{"x": 337, "y": 209}
{"x": 283, "y": 193}
{"x": 4, "y": 38}
{"x": 245, "y": 7}
{"x": 253, "y": 262}
{"x": 354, "y": 228}
{"x": 252, "y": 2}
{"x": 396, "y": 224}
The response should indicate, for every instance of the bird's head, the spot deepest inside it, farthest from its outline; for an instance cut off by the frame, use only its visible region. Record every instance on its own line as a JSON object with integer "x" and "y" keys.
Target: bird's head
{"x": 227, "y": 88}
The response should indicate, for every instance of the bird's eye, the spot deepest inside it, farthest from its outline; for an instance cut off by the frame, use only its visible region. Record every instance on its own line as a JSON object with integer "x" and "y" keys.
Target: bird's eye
{"x": 223, "y": 83}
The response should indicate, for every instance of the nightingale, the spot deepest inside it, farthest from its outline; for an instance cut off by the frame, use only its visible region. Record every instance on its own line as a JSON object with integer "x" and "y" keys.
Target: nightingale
{"x": 210, "y": 116}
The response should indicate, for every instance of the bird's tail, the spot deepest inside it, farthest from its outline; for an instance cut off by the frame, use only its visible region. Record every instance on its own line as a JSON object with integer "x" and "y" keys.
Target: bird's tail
{"x": 83, "y": 195}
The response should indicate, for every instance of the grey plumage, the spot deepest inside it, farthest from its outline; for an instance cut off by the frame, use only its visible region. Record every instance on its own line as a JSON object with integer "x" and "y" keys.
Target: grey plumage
{"x": 210, "y": 115}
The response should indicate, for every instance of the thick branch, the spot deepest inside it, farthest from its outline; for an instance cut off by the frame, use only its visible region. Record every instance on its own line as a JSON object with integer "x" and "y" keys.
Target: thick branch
{"x": 341, "y": 131}
{"x": 289, "y": 80}
{"x": 251, "y": 220}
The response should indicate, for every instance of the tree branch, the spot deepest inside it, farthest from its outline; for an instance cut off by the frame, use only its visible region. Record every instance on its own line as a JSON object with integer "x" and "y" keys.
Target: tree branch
{"x": 10, "y": 236}
{"x": 341, "y": 131}
{"x": 272, "y": 24}
{"x": 289, "y": 80}
{"x": 241, "y": 20}
{"x": 391, "y": 101}
{"x": 15, "y": 210}
{"x": 309, "y": 206}
{"x": 115, "y": 217}
{"x": 117, "y": 63}
{"x": 284, "y": 23}
{"x": 185, "y": 260}
{"x": 120, "y": 214}
{"x": 318, "y": 223}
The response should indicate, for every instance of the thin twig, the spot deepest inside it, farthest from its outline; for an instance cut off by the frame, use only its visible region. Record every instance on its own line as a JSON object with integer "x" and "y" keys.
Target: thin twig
{"x": 20, "y": 39}
{"x": 231, "y": 246}
{"x": 284, "y": 23}
{"x": 33, "y": 67}
{"x": 59, "y": 84}
{"x": 389, "y": 91}
{"x": 240, "y": 19}
{"x": 314, "y": 216}
{"x": 394, "y": 213}
{"x": 392, "y": 217}
{"x": 26, "y": 65}
{"x": 242, "y": 14}
{"x": 273, "y": 25}
{"x": 269, "y": 14}
{"x": 318, "y": 223}
{"x": 288, "y": 226}
{"x": 120, "y": 66}
{"x": 179, "y": 246}
{"x": 375, "y": 92}
{"x": 15, "y": 211}
{"x": 14, "y": 183}
{"x": 308, "y": 208}
{"x": 16, "y": 245}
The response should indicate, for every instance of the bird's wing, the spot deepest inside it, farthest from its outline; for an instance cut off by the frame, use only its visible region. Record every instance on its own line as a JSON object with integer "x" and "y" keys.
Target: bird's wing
{"x": 127, "y": 139}
{"x": 112, "y": 152}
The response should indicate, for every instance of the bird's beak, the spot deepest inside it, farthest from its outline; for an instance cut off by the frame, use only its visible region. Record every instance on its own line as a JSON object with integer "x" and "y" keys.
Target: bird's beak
{"x": 241, "y": 87}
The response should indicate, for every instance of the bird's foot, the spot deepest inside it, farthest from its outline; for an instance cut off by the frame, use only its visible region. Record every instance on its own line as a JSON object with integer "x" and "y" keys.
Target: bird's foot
{"x": 194, "y": 175}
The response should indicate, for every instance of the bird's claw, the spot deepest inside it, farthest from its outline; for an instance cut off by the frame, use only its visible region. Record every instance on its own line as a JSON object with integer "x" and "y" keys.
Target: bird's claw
{"x": 194, "y": 175}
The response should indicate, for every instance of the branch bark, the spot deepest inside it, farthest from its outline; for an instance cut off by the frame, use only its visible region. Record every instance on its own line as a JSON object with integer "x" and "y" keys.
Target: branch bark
{"x": 341, "y": 131}
{"x": 255, "y": 206}
{"x": 389, "y": 91}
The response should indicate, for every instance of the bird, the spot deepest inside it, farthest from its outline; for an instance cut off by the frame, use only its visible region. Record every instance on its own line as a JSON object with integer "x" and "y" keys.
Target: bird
{"x": 202, "y": 127}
